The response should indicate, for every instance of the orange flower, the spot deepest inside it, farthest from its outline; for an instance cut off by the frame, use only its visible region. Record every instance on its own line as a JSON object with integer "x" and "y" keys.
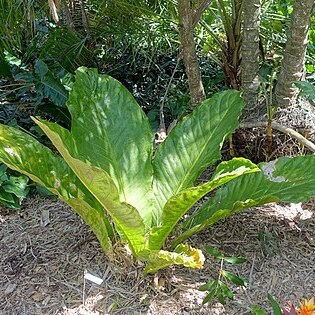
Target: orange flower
{"x": 307, "y": 307}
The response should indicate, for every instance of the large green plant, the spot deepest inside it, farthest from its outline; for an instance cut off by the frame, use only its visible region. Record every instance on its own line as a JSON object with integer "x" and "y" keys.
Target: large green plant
{"x": 110, "y": 176}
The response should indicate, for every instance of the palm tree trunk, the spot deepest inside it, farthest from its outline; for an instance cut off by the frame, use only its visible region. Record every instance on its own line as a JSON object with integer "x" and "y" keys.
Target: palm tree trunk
{"x": 292, "y": 67}
{"x": 188, "y": 49}
{"x": 250, "y": 51}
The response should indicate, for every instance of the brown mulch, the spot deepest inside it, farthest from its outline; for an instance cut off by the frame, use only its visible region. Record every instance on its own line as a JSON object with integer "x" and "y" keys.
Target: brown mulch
{"x": 42, "y": 267}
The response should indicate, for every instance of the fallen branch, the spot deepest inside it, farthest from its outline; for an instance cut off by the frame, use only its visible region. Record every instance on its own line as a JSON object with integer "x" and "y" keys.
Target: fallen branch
{"x": 284, "y": 129}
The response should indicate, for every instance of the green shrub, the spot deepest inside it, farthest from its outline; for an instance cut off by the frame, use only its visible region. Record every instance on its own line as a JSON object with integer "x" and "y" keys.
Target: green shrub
{"x": 13, "y": 189}
{"x": 108, "y": 164}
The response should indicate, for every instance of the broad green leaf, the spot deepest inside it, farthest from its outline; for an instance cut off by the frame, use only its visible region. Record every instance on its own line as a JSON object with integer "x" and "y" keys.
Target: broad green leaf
{"x": 9, "y": 200}
{"x": 182, "y": 255}
{"x": 275, "y": 306}
{"x": 17, "y": 186}
{"x": 179, "y": 204}
{"x": 233, "y": 278}
{"x": 52, "y": 87}
{"x": 111, "y": 132}
{"x": 41, "y": 68}
{"x": 285, "y": 179}
{"x": 23, "y": 153}
{"x": 101, "y": 185}
{"x": 194, "y": 144}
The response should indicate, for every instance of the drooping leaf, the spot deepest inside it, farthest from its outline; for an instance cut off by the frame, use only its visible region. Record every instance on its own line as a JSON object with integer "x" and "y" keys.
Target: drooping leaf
{"x": 9, "y": 200}
{"x": 208, "y": 286}
{"x": 213, "y": 251}
{"x": 275, "y": 306}
{"x": 220, "y": 297}
{"x": 233, "y": 278}
{"x": 100, "y": 184}
{"x": 226, "y": 290}
{"x": 210, "y": 296}
{"x": 16, "y": 185}
{"x": 182, "y": 255}
{"x": 111, "y": 132}
{"x": 23, "y": 153}
{"x": 285, "y": 179}
{"x": 194, "y": 144}
{"x": 12, "y": 188}
{"x": 179, "y": 204}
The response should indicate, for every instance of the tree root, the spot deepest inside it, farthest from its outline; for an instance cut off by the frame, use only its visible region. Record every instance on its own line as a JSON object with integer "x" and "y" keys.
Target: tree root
{"x": 284, "y": 129}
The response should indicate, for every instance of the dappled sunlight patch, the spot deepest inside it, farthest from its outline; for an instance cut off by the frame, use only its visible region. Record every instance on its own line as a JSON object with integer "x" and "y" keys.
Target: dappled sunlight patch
{"x": 289, "y": 211}
{"x": 10, "y": 151}
{"x": 88, "y": 308}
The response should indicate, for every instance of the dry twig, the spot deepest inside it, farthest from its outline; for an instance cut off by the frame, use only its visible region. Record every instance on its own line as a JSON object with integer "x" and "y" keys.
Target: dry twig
{"x": 284, "y": 129}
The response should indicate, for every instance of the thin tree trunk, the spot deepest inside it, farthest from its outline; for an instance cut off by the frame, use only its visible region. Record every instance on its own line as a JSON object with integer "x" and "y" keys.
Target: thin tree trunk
{"x": 231, "y": 48}
{"x": 250, "y": 51}
{"x": 292, "y": 67}
{"x": 188, "y": 49}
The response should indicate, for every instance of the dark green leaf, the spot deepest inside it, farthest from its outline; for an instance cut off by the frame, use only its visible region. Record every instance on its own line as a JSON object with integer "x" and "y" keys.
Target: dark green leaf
{"x": 233, "y": 278}
{"x": 234, "y": 260}
{"x": 221, "y": 297}
{"x": 51, "y": 87}
{"x": 213, "y": 252}
{"x": 209, "y": 296}
{"x": 44, "y": 192}
{"x": 9, "y": 200}
{"x": 208, "y": 286}
{"x": 226, "y": 290}
{"x": 41, "y": 68}
{"x": 275, "y": 306}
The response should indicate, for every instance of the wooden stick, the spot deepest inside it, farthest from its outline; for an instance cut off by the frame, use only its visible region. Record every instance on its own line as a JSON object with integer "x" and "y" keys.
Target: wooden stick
{"x": 284, "y": 129}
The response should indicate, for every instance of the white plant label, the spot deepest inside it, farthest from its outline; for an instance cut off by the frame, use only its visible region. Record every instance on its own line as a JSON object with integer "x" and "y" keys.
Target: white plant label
{"x": 93, "y": 278}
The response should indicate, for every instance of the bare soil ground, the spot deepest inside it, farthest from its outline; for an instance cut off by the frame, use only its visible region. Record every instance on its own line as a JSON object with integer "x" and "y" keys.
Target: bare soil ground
{"x": 42, "y": 267}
